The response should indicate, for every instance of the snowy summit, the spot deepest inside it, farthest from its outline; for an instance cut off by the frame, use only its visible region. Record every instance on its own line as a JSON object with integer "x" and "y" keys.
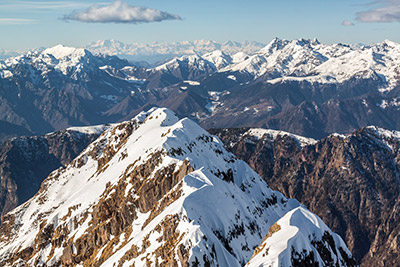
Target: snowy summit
{"x": 161, "y": 191}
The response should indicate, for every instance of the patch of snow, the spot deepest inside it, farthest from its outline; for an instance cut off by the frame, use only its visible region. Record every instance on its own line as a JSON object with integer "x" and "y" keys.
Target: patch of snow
{"x": 388, "y": 134}
{"x": 342, "y": 136}
{"x": 395, "y": 102}
{"x": 383, "y": 104}
{"x": 215, "y": 102}
{"x": 192, "y": 83}
{"x": 232, "y": 77}
{"x": 260, "y": 132}
{"x": 6, "y": 74}
{"x": 97, "y": 129}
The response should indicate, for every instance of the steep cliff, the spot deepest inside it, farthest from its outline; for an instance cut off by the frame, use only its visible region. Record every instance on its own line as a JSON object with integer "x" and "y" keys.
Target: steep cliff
{"x": 351, "y": 182}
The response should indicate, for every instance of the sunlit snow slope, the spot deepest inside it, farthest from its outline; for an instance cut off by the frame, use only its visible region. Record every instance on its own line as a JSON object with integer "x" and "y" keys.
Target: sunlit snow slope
{"x": 301, "y": 238}
{"x": 155, "y": 191}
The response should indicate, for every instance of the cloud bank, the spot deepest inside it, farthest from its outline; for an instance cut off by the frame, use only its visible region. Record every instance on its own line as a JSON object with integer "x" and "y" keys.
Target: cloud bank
{"x": 120, "y": 12}
{"x": 383, "y": 11}
{"x": 347, "y": 23}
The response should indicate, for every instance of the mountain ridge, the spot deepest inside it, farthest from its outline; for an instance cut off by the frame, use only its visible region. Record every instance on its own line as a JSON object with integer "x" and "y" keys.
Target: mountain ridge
{"x": 153, "y": 190}
{"x": 350, "y": 181}
{"x": 301, "y": 86}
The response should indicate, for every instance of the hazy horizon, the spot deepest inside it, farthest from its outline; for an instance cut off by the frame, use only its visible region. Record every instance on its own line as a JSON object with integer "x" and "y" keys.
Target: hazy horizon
{"x": 179, "y": 41}
{"x": 28, "y": 24}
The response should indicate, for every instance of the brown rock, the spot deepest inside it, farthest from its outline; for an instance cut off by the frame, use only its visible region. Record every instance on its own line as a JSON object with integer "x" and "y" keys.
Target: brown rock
{"x": 351, "y": 183}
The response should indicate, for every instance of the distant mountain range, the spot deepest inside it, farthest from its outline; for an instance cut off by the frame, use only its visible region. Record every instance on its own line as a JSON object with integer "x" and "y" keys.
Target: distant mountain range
{"x": 301, "y": 86}
{"x": 8, "y": 53}
{"x": 161, "y": 51}
{"x": 60, "y": 87}
{"x": 151, "y": 53}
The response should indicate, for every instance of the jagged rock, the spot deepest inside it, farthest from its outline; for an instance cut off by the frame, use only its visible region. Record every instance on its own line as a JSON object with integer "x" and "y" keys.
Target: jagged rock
{"x": 351, "y": 182}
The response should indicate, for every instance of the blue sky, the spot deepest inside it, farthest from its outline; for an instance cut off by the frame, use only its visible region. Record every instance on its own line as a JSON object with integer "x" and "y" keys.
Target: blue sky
{"x": 30, "y": 24}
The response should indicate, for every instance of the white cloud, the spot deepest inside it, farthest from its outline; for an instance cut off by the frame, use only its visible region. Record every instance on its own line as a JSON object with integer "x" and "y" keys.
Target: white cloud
{"x": 382, "y": 11}
{"x": 120, "y": 12}
{"x": 347, "y": 23}
{"x": 14, "y": 21}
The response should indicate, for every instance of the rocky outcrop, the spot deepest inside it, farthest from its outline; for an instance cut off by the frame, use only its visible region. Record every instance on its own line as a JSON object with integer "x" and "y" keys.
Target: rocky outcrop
{"x": 351, "y": 182}
{"x": 114, "y": 214}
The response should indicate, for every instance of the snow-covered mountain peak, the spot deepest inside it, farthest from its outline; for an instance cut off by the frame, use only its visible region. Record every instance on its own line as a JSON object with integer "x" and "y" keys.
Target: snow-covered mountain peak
{"x": 60, "y": 51}
{"x": 156, "y": 190}
{"x": 205, "y": 42}
{"x": 307, "y": 42}
{"x": 239, "y": 57}
{"x": 390, "y": 43}
{"x": 231, "y": 43}
{"x": 275, "y": 44}
{"x": 282, "y": 58}
{"x": 218, "y": 58}
{"x": 309, "y": 60}
{"x": 75, "y": 63}
{"x": 107, "y": 43}
{"x": 301, "y": 231}
{"x": 279, "y": 44}
{"x": 315, "y": 41}
{"x": 193, "y": 62}
{"x": 216, "y": 53}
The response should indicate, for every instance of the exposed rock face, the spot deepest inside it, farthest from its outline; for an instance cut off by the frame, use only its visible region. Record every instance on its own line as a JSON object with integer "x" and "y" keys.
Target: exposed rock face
{"x": 351, "y": 182}
{"x": 26, "y": 161}
{"x": 153, "y": 191}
